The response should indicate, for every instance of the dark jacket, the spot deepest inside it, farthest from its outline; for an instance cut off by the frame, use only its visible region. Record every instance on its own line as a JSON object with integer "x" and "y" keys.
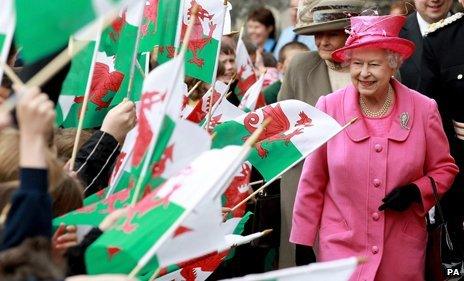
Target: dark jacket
{"x": 95, "y": 161}
{"x": 30, "y": 213}
{"x": 442, "y": 78}
{"x": 411, "y": 67}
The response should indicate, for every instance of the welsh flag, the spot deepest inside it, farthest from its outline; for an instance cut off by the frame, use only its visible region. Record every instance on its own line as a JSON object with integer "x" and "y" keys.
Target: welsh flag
{"x": 245, "y": 70}
{"x": 253, "y": 98}
{"x": 198, "y": 112}
{"x": 7, "y": 26}
{"x": 163, "y": 29}
{"x": 338, "y": 270}
{"x": 44, "y": 27}
{"x": 205, "y": 42}
{"x": 296, "y": 130}
{"x": 161, "y": 216}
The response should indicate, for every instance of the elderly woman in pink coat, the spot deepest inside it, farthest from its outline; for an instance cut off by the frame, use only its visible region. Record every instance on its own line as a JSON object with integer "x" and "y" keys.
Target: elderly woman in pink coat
{"x": 367, "y": 191}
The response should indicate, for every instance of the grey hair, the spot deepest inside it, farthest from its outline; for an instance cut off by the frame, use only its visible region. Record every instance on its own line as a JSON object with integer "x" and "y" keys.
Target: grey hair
{"x": 394, "y": 59}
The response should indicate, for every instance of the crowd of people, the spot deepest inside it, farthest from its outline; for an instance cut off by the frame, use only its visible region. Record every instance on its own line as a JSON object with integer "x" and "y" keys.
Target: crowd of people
{"x": 371, "y": 191}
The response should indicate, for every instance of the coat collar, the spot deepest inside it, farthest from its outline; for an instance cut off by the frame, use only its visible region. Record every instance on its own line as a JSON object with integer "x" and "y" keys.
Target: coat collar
{"x": 403, "y": 105}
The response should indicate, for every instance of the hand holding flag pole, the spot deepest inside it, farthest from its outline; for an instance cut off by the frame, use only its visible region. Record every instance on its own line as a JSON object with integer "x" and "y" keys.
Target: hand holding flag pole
{"x": 271, "y": 181}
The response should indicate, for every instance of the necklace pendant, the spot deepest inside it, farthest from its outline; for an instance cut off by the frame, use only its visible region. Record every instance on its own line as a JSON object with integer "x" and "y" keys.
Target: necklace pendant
{"x": 404, "y": 119}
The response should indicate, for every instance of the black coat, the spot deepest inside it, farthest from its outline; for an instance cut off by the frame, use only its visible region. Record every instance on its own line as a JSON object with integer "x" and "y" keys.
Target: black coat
{"x": 442, "y": 78}
{"x": 410, "y": 70}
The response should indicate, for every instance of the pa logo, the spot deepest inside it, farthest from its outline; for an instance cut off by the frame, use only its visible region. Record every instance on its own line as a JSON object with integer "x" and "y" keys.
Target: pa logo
{"x": 450, "y": 272}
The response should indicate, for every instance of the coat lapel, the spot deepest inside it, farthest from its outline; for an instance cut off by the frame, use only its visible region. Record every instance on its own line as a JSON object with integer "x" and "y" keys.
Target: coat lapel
{"x": 404, "y": 114}
{"x": 318, "y": 80}
{"x": 358, "y": 130}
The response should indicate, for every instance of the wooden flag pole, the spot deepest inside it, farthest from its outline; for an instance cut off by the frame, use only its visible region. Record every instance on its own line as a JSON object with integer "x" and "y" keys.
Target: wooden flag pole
{"x": 134, "y": 62}
{"x": 193, "y": 88}
{"x": 10, "y": 102}
{"x": 85, "y": 102}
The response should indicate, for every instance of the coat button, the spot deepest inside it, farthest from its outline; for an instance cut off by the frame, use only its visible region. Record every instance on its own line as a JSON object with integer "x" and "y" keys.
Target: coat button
{"x": 376, "y": 182}
{"x": 460, "y": 76}
{"x": 375, "y": 249}
{"x": 378, "y": 148}
{"x": 375, "y": 216}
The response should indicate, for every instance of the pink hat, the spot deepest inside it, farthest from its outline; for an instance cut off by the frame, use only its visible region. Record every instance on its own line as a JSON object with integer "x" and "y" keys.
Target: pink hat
{"x": 377, "y": 32}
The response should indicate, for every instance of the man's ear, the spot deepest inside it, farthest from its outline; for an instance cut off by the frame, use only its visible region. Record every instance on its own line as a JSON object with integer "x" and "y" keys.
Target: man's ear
{"x": 280, "y": 67}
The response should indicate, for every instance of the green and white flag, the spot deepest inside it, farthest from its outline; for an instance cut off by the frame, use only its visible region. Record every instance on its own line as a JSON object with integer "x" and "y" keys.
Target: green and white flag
{"x": 44, "y": 27}
{"x": 137, "y": 239}
{"x": 222, "y": 112}
{"x": 205, "y": 42}
{"x": 7, "y": 26}
{"x": 338, "y": 270}
{"x": 296, "y": 130}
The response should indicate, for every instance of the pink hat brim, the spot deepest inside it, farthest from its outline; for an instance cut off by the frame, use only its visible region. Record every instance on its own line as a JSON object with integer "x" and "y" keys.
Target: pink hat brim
{"x": 402, "y": 46}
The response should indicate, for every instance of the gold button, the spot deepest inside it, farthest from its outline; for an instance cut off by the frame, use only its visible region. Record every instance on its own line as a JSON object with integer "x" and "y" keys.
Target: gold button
{"x": 460, "y": 76}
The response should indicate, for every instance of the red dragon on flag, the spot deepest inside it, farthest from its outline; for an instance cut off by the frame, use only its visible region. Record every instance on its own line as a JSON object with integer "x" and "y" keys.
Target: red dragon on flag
{"x": 199, "y": 39}
{"x": 103, "y": 81}
{"x": 277, "y": 128}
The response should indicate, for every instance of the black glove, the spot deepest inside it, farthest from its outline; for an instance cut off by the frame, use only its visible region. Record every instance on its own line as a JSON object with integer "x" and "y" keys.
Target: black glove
{"x": 304, "y": 255}
{"x": 401, "y": 198}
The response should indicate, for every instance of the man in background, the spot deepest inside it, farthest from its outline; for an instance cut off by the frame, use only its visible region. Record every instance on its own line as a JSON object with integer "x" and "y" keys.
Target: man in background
{"x": 427, "y": 12}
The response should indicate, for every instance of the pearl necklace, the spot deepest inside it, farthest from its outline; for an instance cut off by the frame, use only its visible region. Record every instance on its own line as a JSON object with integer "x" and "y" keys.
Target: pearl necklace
{"x": 383, "y": 111}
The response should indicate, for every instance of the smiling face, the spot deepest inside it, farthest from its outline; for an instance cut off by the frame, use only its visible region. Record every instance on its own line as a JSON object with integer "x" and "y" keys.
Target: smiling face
{"x": 258, "y": 32}
{"x": 370, "y": 71}
{"x": 329, "y": 41}
{"x": 433, "y": 10}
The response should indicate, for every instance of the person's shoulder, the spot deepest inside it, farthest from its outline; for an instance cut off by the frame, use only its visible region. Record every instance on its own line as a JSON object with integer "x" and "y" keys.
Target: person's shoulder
{"x": 334, "y": 99}
{"x": 445, "y": 26}
{"x": 305, "y": 61}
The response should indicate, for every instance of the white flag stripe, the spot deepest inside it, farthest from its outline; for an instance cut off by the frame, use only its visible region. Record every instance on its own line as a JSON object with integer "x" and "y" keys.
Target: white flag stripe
{"x": 250, "y": 98}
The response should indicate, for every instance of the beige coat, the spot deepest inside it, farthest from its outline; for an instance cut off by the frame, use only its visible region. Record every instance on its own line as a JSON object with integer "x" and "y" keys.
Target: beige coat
{"x": 307, "y": 79}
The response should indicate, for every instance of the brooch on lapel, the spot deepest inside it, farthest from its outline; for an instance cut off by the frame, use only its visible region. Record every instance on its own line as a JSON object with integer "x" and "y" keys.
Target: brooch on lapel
{"x": 404, "y": 119}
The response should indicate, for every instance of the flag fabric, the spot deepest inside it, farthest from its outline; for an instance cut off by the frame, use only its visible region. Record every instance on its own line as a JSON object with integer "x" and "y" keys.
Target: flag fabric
{"x": 159, "y": 216}
{"x": 253, "y": 98}
{"x": 296, "y": 130}
{"x": 44, "y": 27}
{"x": 338, "y": 270}
{"x": 198, "y": 112}
{"x": 245, "y": 70}
{"x": 205, "y": 41}
{"x": 7, "y": 26}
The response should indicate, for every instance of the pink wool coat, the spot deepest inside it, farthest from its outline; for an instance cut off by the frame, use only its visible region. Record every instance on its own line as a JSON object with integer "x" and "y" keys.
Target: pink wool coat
{"x": 343, "y": 184}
